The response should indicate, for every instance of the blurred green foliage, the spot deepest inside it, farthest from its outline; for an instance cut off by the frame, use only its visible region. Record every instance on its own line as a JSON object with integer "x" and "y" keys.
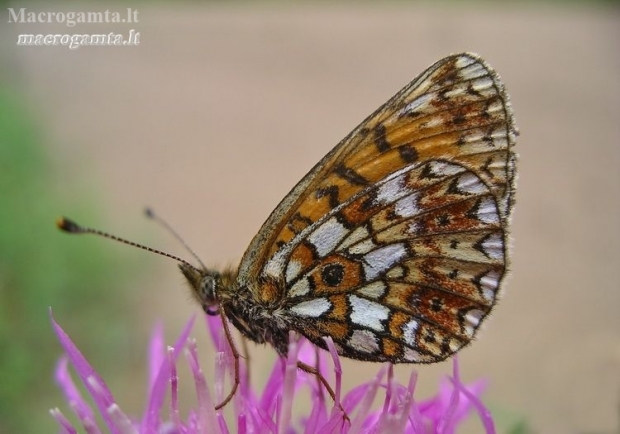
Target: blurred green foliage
{"x": 41, "y": 267}
{"x": 509, "y": 421}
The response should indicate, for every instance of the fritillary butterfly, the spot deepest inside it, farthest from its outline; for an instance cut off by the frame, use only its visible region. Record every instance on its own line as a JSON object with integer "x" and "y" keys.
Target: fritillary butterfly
{"x": 395, "y": 243}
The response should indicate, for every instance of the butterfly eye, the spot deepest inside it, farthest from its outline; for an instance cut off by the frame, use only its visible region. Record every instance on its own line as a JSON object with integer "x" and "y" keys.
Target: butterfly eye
{"x": 207, "y": 292}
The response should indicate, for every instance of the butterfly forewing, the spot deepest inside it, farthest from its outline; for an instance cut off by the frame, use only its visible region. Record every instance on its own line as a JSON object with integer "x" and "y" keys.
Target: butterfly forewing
{"x": 395, "y": 243}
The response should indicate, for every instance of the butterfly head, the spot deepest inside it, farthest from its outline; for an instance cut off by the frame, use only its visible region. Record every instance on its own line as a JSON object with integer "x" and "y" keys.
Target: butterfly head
{"x": 208, "y": 285}
{"x": 204, "y": 285}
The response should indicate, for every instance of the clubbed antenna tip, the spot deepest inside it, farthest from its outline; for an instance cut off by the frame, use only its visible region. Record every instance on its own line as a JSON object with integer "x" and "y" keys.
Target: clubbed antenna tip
{"x": 68, "y": 225}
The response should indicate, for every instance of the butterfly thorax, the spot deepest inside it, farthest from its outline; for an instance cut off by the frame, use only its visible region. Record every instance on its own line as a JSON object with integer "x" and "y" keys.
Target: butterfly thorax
{"x": 258, "y": 320}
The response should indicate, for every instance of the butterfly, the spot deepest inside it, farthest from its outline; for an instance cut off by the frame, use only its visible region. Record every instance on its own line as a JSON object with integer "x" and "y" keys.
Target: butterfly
{"x": 395, "y": 244}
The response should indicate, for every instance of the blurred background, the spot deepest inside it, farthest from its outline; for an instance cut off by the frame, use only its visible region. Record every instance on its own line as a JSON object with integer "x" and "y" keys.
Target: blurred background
{"x": 222, "y": 108}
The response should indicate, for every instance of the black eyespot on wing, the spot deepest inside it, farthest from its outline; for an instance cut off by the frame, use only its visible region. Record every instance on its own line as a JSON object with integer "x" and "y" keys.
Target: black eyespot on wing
{"x": 332, "y": 274}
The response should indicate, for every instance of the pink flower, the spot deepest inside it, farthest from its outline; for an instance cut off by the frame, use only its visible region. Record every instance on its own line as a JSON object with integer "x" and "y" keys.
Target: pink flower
{"x": 270, "y": 411}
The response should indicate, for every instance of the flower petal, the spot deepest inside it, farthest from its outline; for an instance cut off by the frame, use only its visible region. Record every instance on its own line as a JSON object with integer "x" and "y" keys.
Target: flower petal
{"x": 101, "y": 394}
{"x": 121, "y": 420}
{"x": 273, "y": 412}
{"x": 156, "y": 353}
{"x": 150, "y": 421}
{"x": 63, "y": 421}
{"x": 365, "y": 393}
{"x": 288, "y": 387}
{"x": 483, "y": 412}
{"x": 207, "y": 417}
{"x": 79, "y": 406}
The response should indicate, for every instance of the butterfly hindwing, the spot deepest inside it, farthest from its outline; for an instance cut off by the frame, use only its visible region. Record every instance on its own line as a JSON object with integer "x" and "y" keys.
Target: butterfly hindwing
{"x": 404, "y": 271}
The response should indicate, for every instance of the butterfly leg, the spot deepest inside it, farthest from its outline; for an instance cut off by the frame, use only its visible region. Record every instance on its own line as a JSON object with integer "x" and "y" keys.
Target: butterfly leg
{"x": 317, "y": 358}
{"x": 236, "y": 356}
{"x": 314, "y": 371}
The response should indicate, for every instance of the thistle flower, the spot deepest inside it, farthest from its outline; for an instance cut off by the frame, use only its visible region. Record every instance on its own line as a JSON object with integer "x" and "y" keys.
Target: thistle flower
{"x": 270, "y": 411}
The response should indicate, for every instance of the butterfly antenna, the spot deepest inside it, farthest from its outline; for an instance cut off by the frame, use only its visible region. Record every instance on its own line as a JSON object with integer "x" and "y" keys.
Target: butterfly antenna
{"x": 151, "y": 214}
{"x": 69, "y": 226}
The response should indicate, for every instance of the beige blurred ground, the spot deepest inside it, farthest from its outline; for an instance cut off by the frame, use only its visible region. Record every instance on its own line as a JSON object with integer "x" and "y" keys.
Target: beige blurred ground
{"x": 222, "y": 109}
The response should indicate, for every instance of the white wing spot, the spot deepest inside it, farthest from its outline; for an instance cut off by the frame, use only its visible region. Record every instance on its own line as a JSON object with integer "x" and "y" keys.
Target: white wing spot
{"x": 487, "y": 211}
{"x": 472, "y": 321}
{"x": 367, "y": 313}
{"x": 274, "y": 266}
{"x": 407, "y": 206}
{"x": 364, "y": 341}
{"x": 473, "y": 71}
{"x": 411, "y": 355}
{"x": 483, "y": 84}
{"x": 391, "y": 190}
{"x": 409, "y": 330}
{"x": 302, "y": 287}
{"x": 417, "y": 103}
{"x": 495, "y": 107}
{"x": 440, "y": 168}
{"x": 493, "y": 246}
{"x": 434, "y": 122}
{"x": 500, "y": 142}
{"x": 460, "y": 90}
{"x": 472, "y": 137}
{"x": 373, "y": 290}
{"x": 380, "y": 260}
{"x": 464, "y": 61}
{"x": 327, "y": 236}
{"x": 473, "y": 317}
{"x": 454, "y": 345}
{"x": 470, "y": 183}
{"x": 312, "y": 308}
{"x": 489, "y": 283}
{"x": 501, "y": 139}
{"x": 292, "y": 270}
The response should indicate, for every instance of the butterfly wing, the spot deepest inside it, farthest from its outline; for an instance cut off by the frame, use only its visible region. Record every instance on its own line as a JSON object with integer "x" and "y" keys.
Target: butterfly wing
{"x": 417, "y": 193}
